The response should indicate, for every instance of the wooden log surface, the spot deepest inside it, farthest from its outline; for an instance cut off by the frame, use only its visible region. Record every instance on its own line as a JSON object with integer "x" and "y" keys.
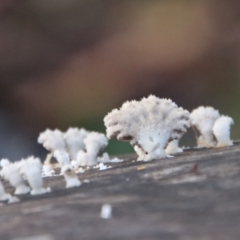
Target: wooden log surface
{"x": 195, "y": 195}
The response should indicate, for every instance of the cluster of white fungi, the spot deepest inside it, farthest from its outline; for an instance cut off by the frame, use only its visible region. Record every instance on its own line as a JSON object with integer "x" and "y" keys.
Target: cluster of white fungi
{"x": 153, "y": 126}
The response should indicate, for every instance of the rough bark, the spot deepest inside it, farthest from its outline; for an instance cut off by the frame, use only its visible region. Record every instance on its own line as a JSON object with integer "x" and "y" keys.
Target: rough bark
{"x": 194, "y": 195}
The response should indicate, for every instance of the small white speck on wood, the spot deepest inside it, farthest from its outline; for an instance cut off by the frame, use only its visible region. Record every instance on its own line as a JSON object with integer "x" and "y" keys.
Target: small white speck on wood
{"x": 106, "y": 211}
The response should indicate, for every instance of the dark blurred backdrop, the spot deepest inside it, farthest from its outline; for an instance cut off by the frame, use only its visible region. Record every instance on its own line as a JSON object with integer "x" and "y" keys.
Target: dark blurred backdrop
{"x": 69, "y": 62}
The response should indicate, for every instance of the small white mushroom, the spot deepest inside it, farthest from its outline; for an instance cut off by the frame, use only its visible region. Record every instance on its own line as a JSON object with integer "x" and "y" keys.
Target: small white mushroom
{"x": 52, "y": 140}
{"x": 116, "y": 160}
{"x": 70, "y": 176}
{"x": 74, "y": 138}
{"x": 214, "y": 128}
{"x": 106, "y": 211}
{"x": 221, "y": 130}
{"x": 10, "y": 172}
{"x": 94, "y": 143}
{"x": 149, "y": 125}
{"x": 31, "y": 168}
{"x": 83, "y": 159}
{"x": 203, "y": 119}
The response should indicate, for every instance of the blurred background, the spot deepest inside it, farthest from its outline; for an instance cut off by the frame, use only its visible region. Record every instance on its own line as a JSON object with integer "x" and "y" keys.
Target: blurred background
{"x": 69, "y": 62}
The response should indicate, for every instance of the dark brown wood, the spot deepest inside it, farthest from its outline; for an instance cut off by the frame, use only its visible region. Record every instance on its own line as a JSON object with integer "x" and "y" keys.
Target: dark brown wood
{"x": 195, "y": 195}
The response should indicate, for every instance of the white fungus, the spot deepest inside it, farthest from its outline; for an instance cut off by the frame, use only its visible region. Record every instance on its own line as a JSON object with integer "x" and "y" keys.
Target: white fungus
{"x": 82, "y": 159}
{"x": 31, "y": 168}
{"x": 74, "y": 138}
{"x": 13, "y": 199}
{"x": 106, "y": 211}
{"x": 102, "y": 166}
{"x": 52, "y": 140}
{"x": 47, "y": 171}
{"x": 74, "y": 164}
{"x": 221, "y": 130}
{"x": 149, "y": 125}
{"x": 140, "y": 152}
{"x": 116, "y": 160}
{"x": 4, "y": 162}
{"x": 10, "y": 172}
{"x": 80, "y": 170}
{"x": 66, "y": 169}
{"x": 70, "y": 176}
{"x": 82, "y": 146}
{"x": 214, "y": 128}
{"x": 203, "y": 118}
{"x": 173, "y": 147}
{"x": 153, "y": 141}
{"x": 94, "y": 143}
{"x": 62, "y": 157}
{"x": 104, "y": 158}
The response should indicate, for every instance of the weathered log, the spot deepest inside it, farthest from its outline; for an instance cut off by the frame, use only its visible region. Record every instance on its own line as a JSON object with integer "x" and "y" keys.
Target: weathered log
{"x": 195, "y": 195}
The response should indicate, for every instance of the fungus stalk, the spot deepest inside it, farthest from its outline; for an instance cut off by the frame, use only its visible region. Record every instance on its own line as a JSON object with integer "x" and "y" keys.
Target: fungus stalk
{"x": 31, "y": 168}
{"x": 70, "y": 177}
{"x": 173, "y": 147}
{"x": 221, "y": 130}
